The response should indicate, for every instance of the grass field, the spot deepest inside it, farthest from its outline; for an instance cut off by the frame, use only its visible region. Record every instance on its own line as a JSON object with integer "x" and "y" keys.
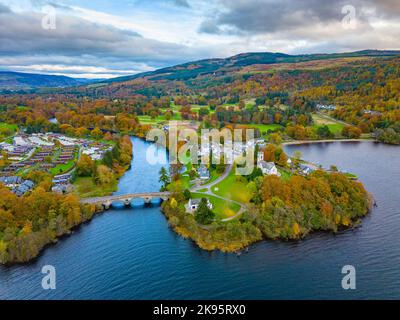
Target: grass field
{"x": 265, "y": 127}
{"x": 86, "y": 188}
{"x": 7, "y": 131}
{"x": 12, "y": 127}
{"x": 63, "y": 168}
{"x": 157, "y": 120}
{"x": 334, "y": 126}
{"x": 233, "y": 187}
{"x": 221, "y": 208}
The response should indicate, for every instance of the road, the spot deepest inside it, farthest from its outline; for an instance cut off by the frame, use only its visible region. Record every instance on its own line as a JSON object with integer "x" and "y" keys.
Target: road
{"x": 209, "y": 192}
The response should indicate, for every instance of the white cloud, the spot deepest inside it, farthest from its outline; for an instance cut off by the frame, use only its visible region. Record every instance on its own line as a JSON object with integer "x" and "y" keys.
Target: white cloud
{"x": 91, "y": 40}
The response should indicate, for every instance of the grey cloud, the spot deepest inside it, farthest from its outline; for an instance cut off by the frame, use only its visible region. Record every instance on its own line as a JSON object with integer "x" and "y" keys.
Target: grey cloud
{"x": 4, "y": 9}
{"x": 269, "y": 16}
{"x": 22, "y": 34}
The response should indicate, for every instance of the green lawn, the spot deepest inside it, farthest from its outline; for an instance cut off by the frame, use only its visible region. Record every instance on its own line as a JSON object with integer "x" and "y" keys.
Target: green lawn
{"x": 223, "y": 209}
{"x": 233, "y": 187}
{"x": 265, "y": 127}
{"x": 336, "y": 128}
{"x": 214, "y": 175}
{"x": 86, "y": 188}
{"x": 7, "y": 131}
{"x": 12, "y": 127}
{"x": 159, "y": 119}
{"x": 63, "y": 168}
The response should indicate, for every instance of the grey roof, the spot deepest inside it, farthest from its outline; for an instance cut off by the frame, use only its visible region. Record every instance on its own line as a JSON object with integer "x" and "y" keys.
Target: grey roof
{"x": 11, "y": 180}
{"x": 267, "y": 165}
{"x": 28, "y": 183}
{"x": 203, "y": 171}
{"x": 195, "y": 201}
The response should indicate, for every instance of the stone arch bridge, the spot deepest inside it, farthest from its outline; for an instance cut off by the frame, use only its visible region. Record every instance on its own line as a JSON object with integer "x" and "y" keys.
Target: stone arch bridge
{"x": 126, "y": 199}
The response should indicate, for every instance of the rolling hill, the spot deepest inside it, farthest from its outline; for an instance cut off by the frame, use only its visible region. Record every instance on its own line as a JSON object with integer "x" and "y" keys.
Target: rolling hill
{"x": 21, "y": 81}
{"x": 218, "y": 67}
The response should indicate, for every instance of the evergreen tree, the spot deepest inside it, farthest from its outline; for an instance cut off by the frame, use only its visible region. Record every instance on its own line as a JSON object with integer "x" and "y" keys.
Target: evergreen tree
{"x": 164, "y": 179}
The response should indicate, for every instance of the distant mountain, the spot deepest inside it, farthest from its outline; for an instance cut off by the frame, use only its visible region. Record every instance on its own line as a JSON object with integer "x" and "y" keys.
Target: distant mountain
{"x": 23, "y": 81}
{"x": 218, "y": 67}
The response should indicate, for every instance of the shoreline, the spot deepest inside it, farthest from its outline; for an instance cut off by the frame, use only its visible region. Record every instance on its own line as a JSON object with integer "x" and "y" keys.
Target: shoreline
{"x": 294, "y": 142}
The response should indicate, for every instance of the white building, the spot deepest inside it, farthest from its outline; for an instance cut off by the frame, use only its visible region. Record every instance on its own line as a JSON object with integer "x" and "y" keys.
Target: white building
{"x": 268, "y": 168}
{"x": 193, "y": 205}
{"x": 20, "y": 141}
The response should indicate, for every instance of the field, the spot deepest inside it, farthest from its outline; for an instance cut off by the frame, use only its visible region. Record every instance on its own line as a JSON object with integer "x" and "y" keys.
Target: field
{"x": 233, "y": 187}
{"x": 157, "y": 120}
{"x": 265, "y": 127}
{"x": 11, "y": 127}
{"x": 221, "y": 208}
{"x": 63, "y": 168}
{"x": 334, "y": 126}
{"x": 86, "y": 188}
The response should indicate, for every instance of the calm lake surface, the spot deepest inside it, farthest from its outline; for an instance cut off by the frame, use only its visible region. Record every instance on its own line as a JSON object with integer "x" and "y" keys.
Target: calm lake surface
{"x": 132, "y": 253}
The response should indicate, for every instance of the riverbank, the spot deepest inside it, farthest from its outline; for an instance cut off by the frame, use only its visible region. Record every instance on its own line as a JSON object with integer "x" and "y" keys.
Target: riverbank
{"x": 294, "y": 142}
{"x": 280, "y": 209}
{"x": 40, "y": 217}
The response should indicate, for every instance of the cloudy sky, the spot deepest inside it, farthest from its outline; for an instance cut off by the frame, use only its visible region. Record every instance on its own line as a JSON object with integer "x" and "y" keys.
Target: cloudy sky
{"x": 108, "y": 38}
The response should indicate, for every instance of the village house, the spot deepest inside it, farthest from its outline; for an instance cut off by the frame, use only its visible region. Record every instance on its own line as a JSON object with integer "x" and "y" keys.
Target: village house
{"x": 326, "y": 107}
{"x": 306, "y": 170}
{"x": 193, "y": 205}
{"x": 268, "y": 168}
{"x": 17, "y": 185}
{"x": 203, "y": 172}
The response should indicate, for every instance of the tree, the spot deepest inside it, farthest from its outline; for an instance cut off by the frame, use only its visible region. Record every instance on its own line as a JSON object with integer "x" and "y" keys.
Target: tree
{"x": 173, "y": 203}
{"x": 204, "y": 214}
{"x": 175, "y": 170}
{"x": 275, "y": 138}
{"x": 3, "y": 252}
{"x": 187, "y": 194}
{"x": 104, "y": 175}
{"x": 96, "y": 133}
{"x": 282, "y": 160}
{"x": 85, "y": 166}
{"x": 351, "y": 132}
{"x": 296, "y": 230}
{"x": 324, "y": 132}
{"x": 297, "y": 157}
{"x": 164, "y": 179}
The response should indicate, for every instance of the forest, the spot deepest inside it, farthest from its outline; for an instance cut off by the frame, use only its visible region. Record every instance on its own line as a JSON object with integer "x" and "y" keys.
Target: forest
{"x": 364, "y": 91}
{"x": 30, "y": 222}
{"x": 285, "y": 209}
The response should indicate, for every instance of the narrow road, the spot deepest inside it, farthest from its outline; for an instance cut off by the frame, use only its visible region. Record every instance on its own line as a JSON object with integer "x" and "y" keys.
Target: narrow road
{"x": 216, "y": 181}
{"x": 209, "y": 192}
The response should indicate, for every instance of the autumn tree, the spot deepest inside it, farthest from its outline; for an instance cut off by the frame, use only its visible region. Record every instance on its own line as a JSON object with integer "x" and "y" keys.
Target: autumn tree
{"x": 85, "y": 166}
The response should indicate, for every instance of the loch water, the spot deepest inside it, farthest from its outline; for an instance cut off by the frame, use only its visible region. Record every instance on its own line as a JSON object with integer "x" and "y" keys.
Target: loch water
{"x": 131, "y": 253}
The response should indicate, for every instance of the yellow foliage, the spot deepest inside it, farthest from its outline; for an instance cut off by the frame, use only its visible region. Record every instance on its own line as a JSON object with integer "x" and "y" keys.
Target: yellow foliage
{"x": 296, "y": 229}
{"x": 173, "y": 203}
